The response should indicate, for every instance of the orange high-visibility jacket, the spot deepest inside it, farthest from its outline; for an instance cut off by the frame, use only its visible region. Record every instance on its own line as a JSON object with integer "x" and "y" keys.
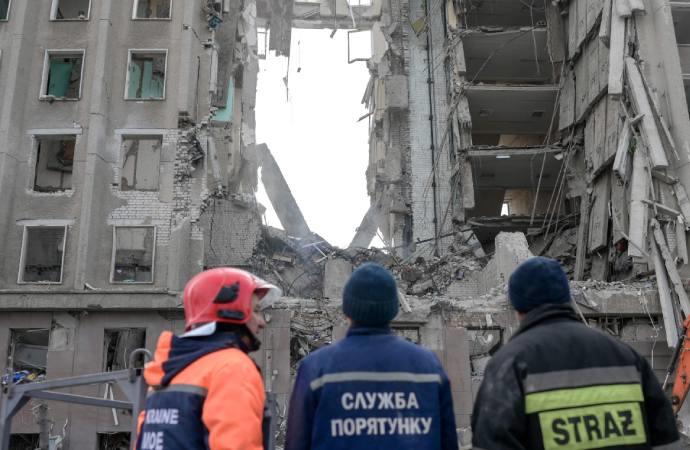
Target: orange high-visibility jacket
{"x": 206, "y": 393}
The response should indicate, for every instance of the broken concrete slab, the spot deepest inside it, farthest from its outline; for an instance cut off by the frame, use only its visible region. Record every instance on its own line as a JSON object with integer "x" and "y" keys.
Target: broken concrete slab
{"x": 336, "y": 273}
{"x": 279, "y": 193}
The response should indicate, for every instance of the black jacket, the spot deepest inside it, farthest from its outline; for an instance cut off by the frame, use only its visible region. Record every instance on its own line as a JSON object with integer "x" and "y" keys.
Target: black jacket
{"x": 559, "y": 384}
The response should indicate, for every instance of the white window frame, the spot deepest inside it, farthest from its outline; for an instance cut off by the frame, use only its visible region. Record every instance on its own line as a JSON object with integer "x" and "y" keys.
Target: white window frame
{"x": 135, "y": 6}
{"x": 9, "y": 10}
{"x": 129, "y": 61}
{"x": 153, "y": 255}
{"x": 54, "y": 8}
{"x": 22, "y": 258}
{"x": 46, "y": 70}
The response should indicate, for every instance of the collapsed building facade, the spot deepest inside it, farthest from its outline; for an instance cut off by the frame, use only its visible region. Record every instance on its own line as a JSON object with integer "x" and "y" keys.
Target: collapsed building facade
{"x": 499, "y": 129}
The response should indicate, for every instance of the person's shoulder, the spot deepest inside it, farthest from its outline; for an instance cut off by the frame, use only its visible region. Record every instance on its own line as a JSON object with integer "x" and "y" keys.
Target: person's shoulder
{"x": 231, "y": 359}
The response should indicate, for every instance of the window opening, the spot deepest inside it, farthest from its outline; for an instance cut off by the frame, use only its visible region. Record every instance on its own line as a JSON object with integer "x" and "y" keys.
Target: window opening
{"x": 4, "y": 9}
{"x": 118, "y": 345}
{"x": 262, "y": 42}
{"x": 54, "y": 162}
{"x": 411, "y": 334}
{"x": 152, "y": 9}
{"x": 24, "y": 441}
{"x": 43, "y": 254}
{"x": 133, "y": 254}
{"x": 63, "y": 76}
{"x": 70, "y": 10}
{"x": 360, "y": 2}
{"x": 27, "y": 355}
{"x": 358, "y": 45}
{"x": 505, "y": 209}
{"x": 141, "y": 163}
{"x": 114, "y": 441}
{"x": 146, "y": 75}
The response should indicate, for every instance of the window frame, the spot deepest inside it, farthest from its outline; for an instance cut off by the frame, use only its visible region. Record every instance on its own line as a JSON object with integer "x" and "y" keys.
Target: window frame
{"x": 43, "y": 96}
{"x": 153, "y": 256}
{"x": 135, "y": 6}
{"x": 9, "y": 11}
{"x": 132, "y": 51}
{"x": 122, "y": 157}
{"x": 53, "y": 13}
{"x": 22, "y": 257}
{"x": 36, "y": 146}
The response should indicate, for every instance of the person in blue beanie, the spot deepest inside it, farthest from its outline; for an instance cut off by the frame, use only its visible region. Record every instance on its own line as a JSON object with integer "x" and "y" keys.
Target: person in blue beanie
{"x": 558, "y": 384}
{"x": 372, "y": 390}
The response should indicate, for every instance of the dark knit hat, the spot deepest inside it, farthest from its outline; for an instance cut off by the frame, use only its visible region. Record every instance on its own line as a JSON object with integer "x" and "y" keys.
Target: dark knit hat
{"x": 370, "y": 297}
{"x": 536, "y": 282}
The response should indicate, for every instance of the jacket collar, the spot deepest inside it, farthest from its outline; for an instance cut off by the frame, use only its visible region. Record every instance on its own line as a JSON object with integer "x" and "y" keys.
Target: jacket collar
{"x": 546, "y": 314}
{"x": 367, "y": 331}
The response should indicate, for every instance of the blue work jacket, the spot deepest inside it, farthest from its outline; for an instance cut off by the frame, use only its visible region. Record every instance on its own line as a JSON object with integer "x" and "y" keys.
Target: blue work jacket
{"x": 372, "y": 390}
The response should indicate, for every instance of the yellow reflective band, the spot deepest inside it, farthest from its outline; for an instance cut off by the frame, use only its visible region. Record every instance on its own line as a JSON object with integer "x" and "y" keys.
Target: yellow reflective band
{"x": 593, "y": 427}
{"x": 572, "y": 398}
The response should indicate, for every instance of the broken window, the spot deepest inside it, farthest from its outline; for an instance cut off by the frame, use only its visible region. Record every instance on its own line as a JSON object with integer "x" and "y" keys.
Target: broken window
{"x": 133, "y": 254}
{"x": 146, "y": 75}
{"x": 62, "y": 75}
{"x": 118, "y": 345}
{"x": 24, "y": 441}
{"x": 43, "y": 251}
{"x": 360, "y": 2}
{"x": 113, "y": 441}
{"x": 4, "y": 9}
{"x": 358, "y": 45}
{"x": 411, "y": 334}
{"x": 152, "y": 9}
{"x": 70, "y": 10}
{"x": 140, "y": 163}
{"x": 262, "y": 42}
{"x": 54, "y": 161}
{"x": 27, "y": 354}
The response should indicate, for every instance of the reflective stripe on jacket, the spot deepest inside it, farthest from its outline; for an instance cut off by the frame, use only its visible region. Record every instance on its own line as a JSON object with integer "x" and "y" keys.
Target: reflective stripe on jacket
{"x": 561, "y": 385}
{"x": 206, "y": 394}
{"x": 371, "y": 391}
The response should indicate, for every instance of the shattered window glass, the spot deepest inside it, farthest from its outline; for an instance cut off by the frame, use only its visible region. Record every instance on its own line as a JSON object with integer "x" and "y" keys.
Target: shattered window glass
{"x": 54, "y": 162}
{"x": 43, "y": 254}
{"x": 133, "y": 255}
{"x": 71, "y": 9}
{"x": 64, "y": 76}
{"x": 27, "y": 355}
{"x": 146, "y": 76}
{"x": 141, "y": 163}
{"x": 152, "y": 9}
{"x": 118, "y": 345}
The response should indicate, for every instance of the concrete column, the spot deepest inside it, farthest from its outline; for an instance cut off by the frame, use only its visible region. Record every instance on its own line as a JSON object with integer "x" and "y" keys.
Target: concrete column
{"x": 96, "y": 141}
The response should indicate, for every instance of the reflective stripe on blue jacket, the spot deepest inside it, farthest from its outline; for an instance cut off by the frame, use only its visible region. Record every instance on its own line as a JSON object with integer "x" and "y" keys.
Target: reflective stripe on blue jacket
{"x": 372, "y": 390}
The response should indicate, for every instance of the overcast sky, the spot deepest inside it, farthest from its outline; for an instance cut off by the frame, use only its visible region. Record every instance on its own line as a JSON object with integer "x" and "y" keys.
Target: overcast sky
{"x": 313, "y": 133}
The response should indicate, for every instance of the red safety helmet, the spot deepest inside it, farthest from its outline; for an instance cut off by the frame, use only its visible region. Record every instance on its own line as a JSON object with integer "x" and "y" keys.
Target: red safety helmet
{"x": 224, "y": 295}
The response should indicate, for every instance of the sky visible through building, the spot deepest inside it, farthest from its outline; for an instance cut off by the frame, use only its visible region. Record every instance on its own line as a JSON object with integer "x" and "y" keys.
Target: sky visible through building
{"x": 311, "y": 127}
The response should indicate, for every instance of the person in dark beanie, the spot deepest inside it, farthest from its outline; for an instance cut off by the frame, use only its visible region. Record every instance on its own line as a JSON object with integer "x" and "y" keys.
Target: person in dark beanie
{"x": 372, "y": 390}
{"x": 558, "y": 384}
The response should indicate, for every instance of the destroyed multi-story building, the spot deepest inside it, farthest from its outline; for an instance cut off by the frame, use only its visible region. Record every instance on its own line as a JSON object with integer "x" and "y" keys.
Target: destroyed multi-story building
{"x": 129, "y": 163}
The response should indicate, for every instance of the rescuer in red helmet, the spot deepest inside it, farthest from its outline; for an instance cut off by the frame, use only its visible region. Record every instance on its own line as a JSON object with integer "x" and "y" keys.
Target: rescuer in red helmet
{"x": 206, "y": 393}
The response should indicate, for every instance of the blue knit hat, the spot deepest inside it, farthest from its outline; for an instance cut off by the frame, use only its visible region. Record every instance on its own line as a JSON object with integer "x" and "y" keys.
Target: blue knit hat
{"x": 536, "y": 282}
{"x": 370, "y": 297}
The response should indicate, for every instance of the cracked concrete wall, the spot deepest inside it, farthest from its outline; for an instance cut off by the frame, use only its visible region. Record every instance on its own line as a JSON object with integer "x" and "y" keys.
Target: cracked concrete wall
{"x": 94, "y": 202}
